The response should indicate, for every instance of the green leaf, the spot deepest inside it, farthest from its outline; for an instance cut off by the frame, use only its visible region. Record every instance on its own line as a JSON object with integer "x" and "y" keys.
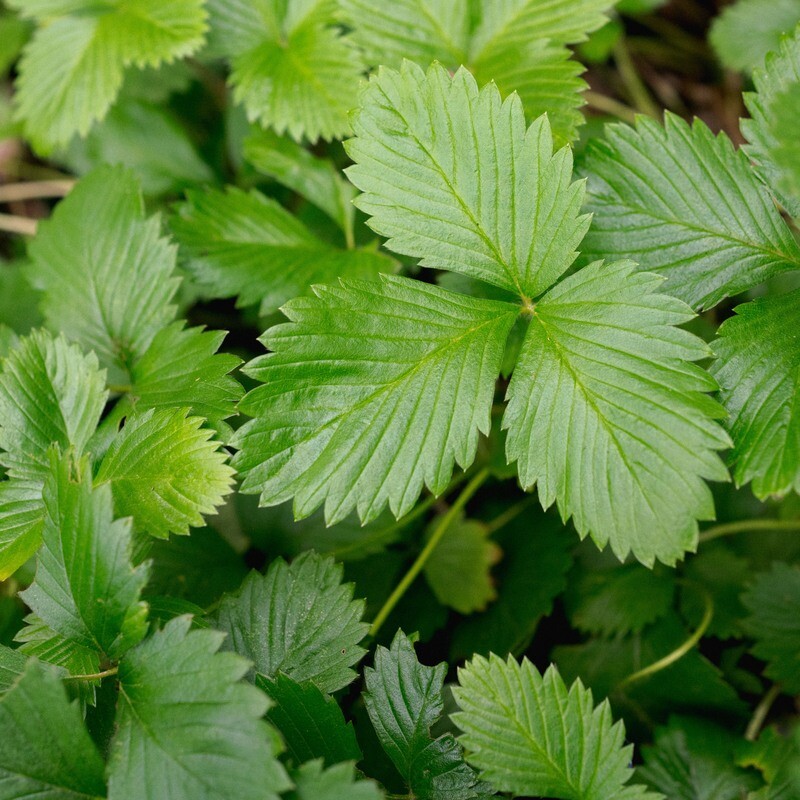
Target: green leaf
{"x": 315, "y": 179}
{"x": 530, "y": 735}
{"x": 298, "y": 619}
{"x": 12, "y": 665}
{"x": 50, "y": 393}
{"x": 693, "y": 760}
{"x": 46, "y": 752}
{"x": 113, "y": 296}
{"x": 774, "y": 622}
{"x": 432, "y": 157}
{"x": 786, "y": 152}
{"x": 335, "y": 783}
{"x": 747, "y": 30}
{"x": 781, "y": 69}
{"x": 372, "y": 390}
{"x": 605, "y": 379}
{"x": 758, "y": 370}
{"x": 458, "y": 570}
{"x": 311, "y": 723}
{"x": 291, "y": 69}
{"x": 683, "y": 203}
{"x": 187, "y": 728}
{"x": 404, "y": 698}
{"x": 72, "y": 70}
{"x": 85, "y": 588}
{"x": 166, "y": 472}
{"x": 246, "y": 245}
{"x": 21, "y": 520}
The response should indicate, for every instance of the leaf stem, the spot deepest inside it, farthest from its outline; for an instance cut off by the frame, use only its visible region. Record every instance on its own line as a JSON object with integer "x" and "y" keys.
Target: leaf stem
{"x": 609, "y": 105}
{"x": 634, "y": 85}
{"x": 760, "y": 714}
{"x": 742, "y": 526}
{"x": 426, "y": 552}
{"x": 510, "y": 514}
{"x": 34, "y": 190}
{"x": 679, "y": 652}
{"x": 93, "y": 676}
{"x": 13, "y": 224}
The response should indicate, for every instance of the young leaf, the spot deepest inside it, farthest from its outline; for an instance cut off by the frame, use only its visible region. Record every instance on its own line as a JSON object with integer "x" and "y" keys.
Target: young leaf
{"x": 451, "y": 176}
{"x": 72, "y": 70}
{"x": 338, "y": 782}
{"x": 166, "y": 472}
{"x": 530, "y": 735}
{"x": 458, "y": 570}
{"x": 85, "y": 587}
{"x": 758, "y": 370}
{"x": 683, "y": 203}
{"x": 247, "y": 245}
{"x": 113, "y": 296}
{"x": 291, "y": 69}
{"x": 311, "y": 723}
{"x": 782, "y": 68}
{"x": 774, "y": 604}
{"x": 404, "y": 698}
{"x": 371, "y": 390}
{"x": 187, "y": 728}
{"x": 46, "y": 752}
{"x": 606, "y": 380}
{"x": 298, "y": 619}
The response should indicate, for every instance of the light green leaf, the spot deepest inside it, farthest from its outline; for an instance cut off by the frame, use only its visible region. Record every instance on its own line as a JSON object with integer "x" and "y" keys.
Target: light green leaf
{"x": 247, "y": 245}
{"x": 166, "y": 472}
{"x": 298, "y": 619}
{"x": 106, "y": 271}
{"x": 433, "y": 158}
{"x": 372, "y": 390}
{"x": 654, "y": 200}
{"x": 758, "y": 370}
{"x": 315, "y": 179}
{"x": 530, "y": 735}
{"x": 46, "y": 752}
{"x": 12, "y": 665}
{"x": 607, "y": 415}
{"x": 21, "y": 520}
{"x": 72, "y": 70}
{"x": 774, "y": 622}
{"x": 85, "y": 588}
{"x": 458, "y": 570}
{"x": 747, "y": 30}
{"x": 187, "y": 728}
{"x": 404, "y": 699}
{"x": 781, "y": 69}
{"x": 786, "y": 152}
{"x": 338, "y": 782}
{"x": 311, "y": 723}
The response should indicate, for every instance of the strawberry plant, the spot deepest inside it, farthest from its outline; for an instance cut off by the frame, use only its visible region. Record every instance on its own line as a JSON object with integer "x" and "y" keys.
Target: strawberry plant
{"x": 388, "y": 409}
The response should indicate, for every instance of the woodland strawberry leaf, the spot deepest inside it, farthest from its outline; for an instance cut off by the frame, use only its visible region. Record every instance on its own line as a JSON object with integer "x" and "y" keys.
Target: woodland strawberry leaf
{"x": 786, "y": 151}
{"x": 313, "y": 782}
{"x": 12, "y": 665}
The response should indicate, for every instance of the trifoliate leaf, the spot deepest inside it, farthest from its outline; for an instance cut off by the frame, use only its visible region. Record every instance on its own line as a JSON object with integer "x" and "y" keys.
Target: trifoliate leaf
{"x": 50, "y": 393}
{"x": 106, "y": 271}
{"x": 46, "y": 752}
{"x": 85, "y": 588}
{"x": 530, "y": 735}
{"x": 433, "y": 158}
{"x": 782, "y": 68}
{"x": 372, "y": 390}
{"x": 786, "y": 152}
{"x": 774, "y": 622}
{"x": 187, "y": 728}
{"x": 311, "y": 723}
{"x": 12, "y": 665}
{"x": 338, "y": 782}
{"x": 73, "y": 68}
{"x": 758, "y": 370}
{"x": 291, "y": 69}
{"x": 247, "y": 245}
{"x": 166, "y": 472}
{"x": 315, "y": 179}
{"x": 458, "y": 570}
{"x": 404, "y": 698}
{"x": 606, "y": 380}
{"x": 694, "y": 760}
{"x": 653, "y": 199}
{"x": 747, "y": 30}
{"x": 298, "y": 619}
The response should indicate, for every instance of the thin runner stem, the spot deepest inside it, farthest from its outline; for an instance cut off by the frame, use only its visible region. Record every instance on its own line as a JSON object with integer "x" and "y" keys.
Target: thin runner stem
{"x": 746, "y": 525}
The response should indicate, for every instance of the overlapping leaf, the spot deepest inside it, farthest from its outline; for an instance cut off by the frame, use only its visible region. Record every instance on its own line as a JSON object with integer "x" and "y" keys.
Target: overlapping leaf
{"x": 683, "y": 203}
{"x": 759, "y": 374}
{"x": 312, "y": 782}
{"x": 786, "y": 152}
